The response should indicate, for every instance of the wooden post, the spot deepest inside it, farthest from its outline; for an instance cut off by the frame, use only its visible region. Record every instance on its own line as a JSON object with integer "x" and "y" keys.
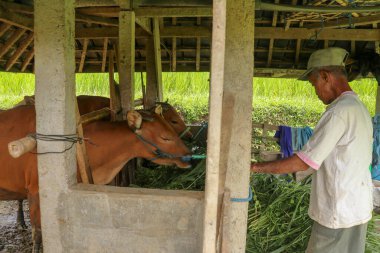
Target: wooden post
{"x": 54, "y": 24}
{"x": 151, "y": 77}
{"x": 210, "y": 217}
{"x": 82, "y": 159}
{"x": 157, "y": 57}
{"x": 126, "y": 59}
{"x": 114, "y": 100}
{"x": 174, "y": 48}
{"x": 230, "y": 107}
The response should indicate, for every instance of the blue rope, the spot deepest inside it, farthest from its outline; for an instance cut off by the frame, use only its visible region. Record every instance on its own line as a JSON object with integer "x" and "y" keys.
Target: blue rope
{"x": 250, "y": 196}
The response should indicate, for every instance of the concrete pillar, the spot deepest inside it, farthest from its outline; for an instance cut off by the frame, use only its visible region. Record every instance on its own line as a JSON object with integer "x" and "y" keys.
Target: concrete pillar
{"x": 234, "y": 18}
{"x": 237, "y": 117}
{"x": 126, "y": 59}
{"x": 55, "y": 110}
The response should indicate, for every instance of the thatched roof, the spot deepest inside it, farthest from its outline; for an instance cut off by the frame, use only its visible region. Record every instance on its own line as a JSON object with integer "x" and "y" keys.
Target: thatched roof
{"x": 283, "y": 39}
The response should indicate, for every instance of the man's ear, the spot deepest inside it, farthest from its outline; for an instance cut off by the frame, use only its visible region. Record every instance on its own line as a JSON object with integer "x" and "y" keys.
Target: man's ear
{"x": 134, "y": 119}
{"x": 324, "y": 75}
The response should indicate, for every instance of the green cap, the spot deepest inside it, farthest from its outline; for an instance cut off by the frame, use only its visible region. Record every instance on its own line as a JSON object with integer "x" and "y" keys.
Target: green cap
{"x": 332, "y": 56}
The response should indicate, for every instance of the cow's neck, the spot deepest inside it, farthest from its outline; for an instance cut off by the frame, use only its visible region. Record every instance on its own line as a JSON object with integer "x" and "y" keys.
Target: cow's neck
{"x": 109, "y": 155}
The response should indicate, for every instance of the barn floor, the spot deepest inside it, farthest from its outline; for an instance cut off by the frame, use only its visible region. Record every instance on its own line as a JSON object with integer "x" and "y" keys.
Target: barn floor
{"x": 13, "y": 239}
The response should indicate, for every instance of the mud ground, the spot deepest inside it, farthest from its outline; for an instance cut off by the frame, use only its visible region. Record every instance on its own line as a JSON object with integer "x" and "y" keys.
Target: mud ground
{"x": 12, "y": 238}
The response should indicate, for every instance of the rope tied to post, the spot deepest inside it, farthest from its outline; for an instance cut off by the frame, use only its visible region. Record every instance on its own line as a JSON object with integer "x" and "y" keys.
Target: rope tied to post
{"x": 71, "y": 138}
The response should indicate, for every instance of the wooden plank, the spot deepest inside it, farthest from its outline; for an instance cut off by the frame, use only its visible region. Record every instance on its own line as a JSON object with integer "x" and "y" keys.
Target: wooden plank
{"x": 157, "y": 56}
{"x": 83, "y": 55}
{"x": 345, "y": 22}
{"x": 104, "y": 54}
{"x": 21, "y": 48}
{"x": 28, "y": 58}
{"x": 126, "y": 59}
{"x": 186, "y": 32}
{"x": 94, "y": 116}
{"x": 325, "y": 44}
{"x": 9, "y": 43}
{"x": 271, "y": 41}
{"x": 15, "y": 19}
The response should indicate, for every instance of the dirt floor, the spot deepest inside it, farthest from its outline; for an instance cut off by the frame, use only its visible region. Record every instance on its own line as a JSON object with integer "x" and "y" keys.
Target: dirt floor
{"x": 13, "y": 239}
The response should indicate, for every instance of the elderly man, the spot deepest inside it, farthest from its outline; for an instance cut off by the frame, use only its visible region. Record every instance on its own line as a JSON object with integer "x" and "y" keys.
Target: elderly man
{"x": 340, "y": 152}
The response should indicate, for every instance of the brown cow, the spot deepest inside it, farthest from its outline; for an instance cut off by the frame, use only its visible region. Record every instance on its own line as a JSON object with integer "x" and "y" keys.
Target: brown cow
{"x": 116, "y": 143}
{"x": 88, "y": 104}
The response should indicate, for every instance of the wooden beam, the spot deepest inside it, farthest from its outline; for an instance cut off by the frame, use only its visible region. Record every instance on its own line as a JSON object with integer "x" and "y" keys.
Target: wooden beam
{"x": 126, "y": 60}
{"x": 83, "y": 55}
{"x": 260, "y": 33}
{"x": 157, "y": 56}
{"x": 353, "y": 48}
{"x": 21, "y": 48}
{"x": 104, "y": 32}
{"x": 3, "y": 28}
{"x": 326, "y": 34}
{"x": 325, "y": 44}
{"x": 145, "y": 24}
{"x": 114, "y": 99}
{"x": 16, "y": 19}
{"x": 15, "y": 7}
{"x": 28, "y": 58}
{"x": 91, "y": 3}
{"x": 96, "y": 20}
{"x": 104, "y": 58}
{"x": 345, "y": 22}
{"x": 186, "y": 32}
{"x": 9, "y": 43}
{"x": 173, "y": 12}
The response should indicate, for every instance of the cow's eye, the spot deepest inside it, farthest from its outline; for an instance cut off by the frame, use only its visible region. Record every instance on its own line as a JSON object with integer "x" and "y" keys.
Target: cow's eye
{"x": 174, "y": 122}
{"x": 165, "y": 138}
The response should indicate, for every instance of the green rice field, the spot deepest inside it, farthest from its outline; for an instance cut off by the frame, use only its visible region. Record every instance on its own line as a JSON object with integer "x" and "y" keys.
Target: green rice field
{"x": 277, "y": 101}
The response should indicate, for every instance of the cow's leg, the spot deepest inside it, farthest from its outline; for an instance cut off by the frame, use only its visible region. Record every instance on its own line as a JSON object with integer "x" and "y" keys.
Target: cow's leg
{"x": 35, "y": 220}
{"x": 20, "y": 216}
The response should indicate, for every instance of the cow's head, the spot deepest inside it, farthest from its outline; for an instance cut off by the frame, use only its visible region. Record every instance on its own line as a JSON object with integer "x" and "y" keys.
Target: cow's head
{"x": 161, "y": 143}
{"x": 170, "y": 114}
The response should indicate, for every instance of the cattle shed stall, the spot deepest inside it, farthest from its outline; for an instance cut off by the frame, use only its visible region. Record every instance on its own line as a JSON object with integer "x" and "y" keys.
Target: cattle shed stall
{"x": 55, "y": 39}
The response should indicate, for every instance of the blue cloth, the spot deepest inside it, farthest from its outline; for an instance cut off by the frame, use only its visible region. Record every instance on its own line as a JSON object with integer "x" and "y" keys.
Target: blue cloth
{"x": 300, "y": 135}
{"x": 376, "y": 148}
{"x": 285, "y": 135}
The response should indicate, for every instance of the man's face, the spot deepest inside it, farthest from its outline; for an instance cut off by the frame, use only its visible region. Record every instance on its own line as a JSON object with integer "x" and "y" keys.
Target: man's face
{"x": 321, "y": 80}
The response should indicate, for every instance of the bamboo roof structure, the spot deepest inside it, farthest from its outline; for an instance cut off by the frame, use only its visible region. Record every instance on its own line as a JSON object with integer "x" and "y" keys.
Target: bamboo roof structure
{"x": 286, "y": 33}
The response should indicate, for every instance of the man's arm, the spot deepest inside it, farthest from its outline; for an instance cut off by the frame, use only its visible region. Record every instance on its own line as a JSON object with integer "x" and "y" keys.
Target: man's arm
{"x": 288, "y": 165}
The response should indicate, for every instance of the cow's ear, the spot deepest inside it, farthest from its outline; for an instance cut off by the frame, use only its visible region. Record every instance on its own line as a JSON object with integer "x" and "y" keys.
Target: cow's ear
{"x": 158, "y": 110}
{"x": 134, "y": 119}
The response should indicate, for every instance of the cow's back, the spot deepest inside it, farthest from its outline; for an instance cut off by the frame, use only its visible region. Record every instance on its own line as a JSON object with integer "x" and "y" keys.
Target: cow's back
{"x": 15, "y": 177}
